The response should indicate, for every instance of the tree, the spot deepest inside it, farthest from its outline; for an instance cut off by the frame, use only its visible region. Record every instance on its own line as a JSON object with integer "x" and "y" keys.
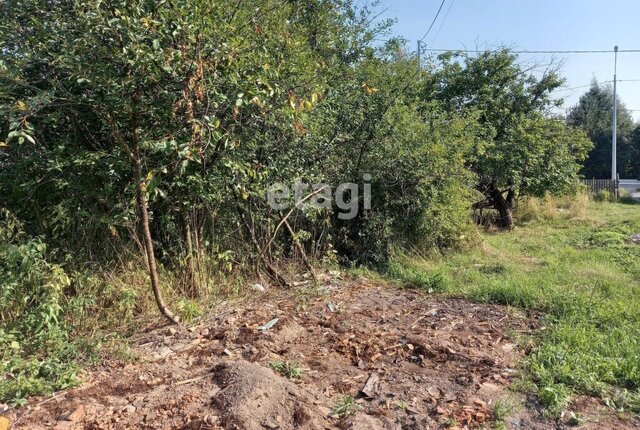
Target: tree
{"x": 521, "y": 150}
{"x": 593, "y": 114}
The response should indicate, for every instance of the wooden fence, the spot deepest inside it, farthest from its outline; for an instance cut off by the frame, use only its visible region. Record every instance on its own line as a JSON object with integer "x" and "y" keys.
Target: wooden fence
{"x": 596, "y": 185}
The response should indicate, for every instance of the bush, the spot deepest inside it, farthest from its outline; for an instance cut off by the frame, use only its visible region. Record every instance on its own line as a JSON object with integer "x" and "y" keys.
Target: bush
{"x": 603, "y": 196}
{"x": 33, "y": 342}
{"x": 31, "y": 287}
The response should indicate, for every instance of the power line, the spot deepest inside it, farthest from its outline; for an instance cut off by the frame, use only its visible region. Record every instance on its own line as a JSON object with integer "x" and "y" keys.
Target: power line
{"x": 599, "y": 82}
{"x": 574, "y": 51}
{"x": 446, "y": 15}
{"x": 434, "y": 20}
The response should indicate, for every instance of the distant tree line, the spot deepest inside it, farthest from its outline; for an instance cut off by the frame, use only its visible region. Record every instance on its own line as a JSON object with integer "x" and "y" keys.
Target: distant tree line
{"x": 594, "y": 114}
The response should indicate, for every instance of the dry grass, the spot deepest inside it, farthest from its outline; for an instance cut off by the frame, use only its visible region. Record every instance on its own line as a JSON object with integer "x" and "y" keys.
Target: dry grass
{"x": 552, "y": 207}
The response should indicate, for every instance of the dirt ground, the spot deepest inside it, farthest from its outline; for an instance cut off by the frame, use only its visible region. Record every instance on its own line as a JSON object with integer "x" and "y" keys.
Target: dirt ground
{"x": 408, "y": 360}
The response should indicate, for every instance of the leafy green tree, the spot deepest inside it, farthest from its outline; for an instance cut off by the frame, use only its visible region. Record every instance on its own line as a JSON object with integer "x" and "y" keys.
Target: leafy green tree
{"x": 521, "y": 150}
{"x": 593, "y": 114}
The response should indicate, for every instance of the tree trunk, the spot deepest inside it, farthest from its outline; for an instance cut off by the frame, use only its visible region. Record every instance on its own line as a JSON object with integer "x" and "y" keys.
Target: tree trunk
{"x": 503, "y": 206}
{"x": 300, "y": 249}
{"x": 191, "y": 286}
{"x": 148, "y": 244}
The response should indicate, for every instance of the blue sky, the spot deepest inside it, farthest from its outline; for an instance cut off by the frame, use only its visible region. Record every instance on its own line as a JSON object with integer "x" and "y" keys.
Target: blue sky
{"x": 536, "y": 25}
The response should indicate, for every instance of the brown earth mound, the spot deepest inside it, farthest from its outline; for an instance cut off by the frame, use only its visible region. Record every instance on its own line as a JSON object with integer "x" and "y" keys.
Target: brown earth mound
{"x": 252, "y": 397}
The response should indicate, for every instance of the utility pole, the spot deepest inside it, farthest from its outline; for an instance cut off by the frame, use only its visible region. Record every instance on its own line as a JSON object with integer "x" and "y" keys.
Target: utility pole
{"x": 614, "y": 137}
{"x": 419, "y": 54}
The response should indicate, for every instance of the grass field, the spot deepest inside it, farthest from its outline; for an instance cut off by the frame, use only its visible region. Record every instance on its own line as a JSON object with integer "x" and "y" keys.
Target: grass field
{"x": 577, "y": 266}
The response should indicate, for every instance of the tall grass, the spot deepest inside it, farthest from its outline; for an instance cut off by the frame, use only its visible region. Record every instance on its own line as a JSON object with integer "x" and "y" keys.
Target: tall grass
{"x": 552, "y": 207}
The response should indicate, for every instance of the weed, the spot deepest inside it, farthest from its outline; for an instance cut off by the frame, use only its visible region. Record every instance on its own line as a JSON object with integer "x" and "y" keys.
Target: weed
{"x": 188, "y": 309}
{"x": 287, "y": 369}
{"x": 306, "y": 294}
{"x": 345, "y": 406}
{"x": 121, "y": 350}
{"x": 603, "y": 196}
{"x": 622, "y": 400}
{"x": 403, "y": 406}
{"x": 502, "y": 409}
{"x": 574, "y": 420}
{"x": 554, "y": 398}
{"x": 451, "y": 422}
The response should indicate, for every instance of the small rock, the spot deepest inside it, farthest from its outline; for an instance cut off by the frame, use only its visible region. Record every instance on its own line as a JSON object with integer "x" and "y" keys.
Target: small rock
{"x": 172, "y": 331}
{"x": 3, "y": 408}
{"x": 130, "y": 409}
{"x": 412, "y": 411}
{"x": 65, "y": 425}
{"x": 508, "y": 347}
{"x": 162, "y": 353}
{"x": 76, "y": 415}
{"x": 210, "y": 419}
{"x": 515, "y": 423}
{"x": 258, "y": 287}
{"x": 5, "y": 423}
{"x": 480, "y": 403}
{"x": 434, "y": 392}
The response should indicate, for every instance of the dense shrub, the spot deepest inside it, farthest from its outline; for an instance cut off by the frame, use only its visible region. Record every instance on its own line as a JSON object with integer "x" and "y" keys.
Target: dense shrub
{"x": 33, "y": 340}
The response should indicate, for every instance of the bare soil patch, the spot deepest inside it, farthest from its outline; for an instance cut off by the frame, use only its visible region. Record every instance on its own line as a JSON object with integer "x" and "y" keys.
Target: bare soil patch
{"x": 409, "y": 360}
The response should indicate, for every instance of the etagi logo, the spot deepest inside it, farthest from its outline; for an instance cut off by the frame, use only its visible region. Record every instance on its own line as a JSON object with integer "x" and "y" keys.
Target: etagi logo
{"x": 346, "y": 196}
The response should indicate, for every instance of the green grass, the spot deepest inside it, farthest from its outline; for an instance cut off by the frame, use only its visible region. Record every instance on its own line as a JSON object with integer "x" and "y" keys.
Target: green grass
{"x": 502, "y": 409}
{"x": 583, "y": 274}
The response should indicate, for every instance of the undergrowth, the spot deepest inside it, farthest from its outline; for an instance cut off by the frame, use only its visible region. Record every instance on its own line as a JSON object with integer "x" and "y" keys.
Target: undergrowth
{"x": 579, "y": 268}
{"x": 56, "y": 320}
